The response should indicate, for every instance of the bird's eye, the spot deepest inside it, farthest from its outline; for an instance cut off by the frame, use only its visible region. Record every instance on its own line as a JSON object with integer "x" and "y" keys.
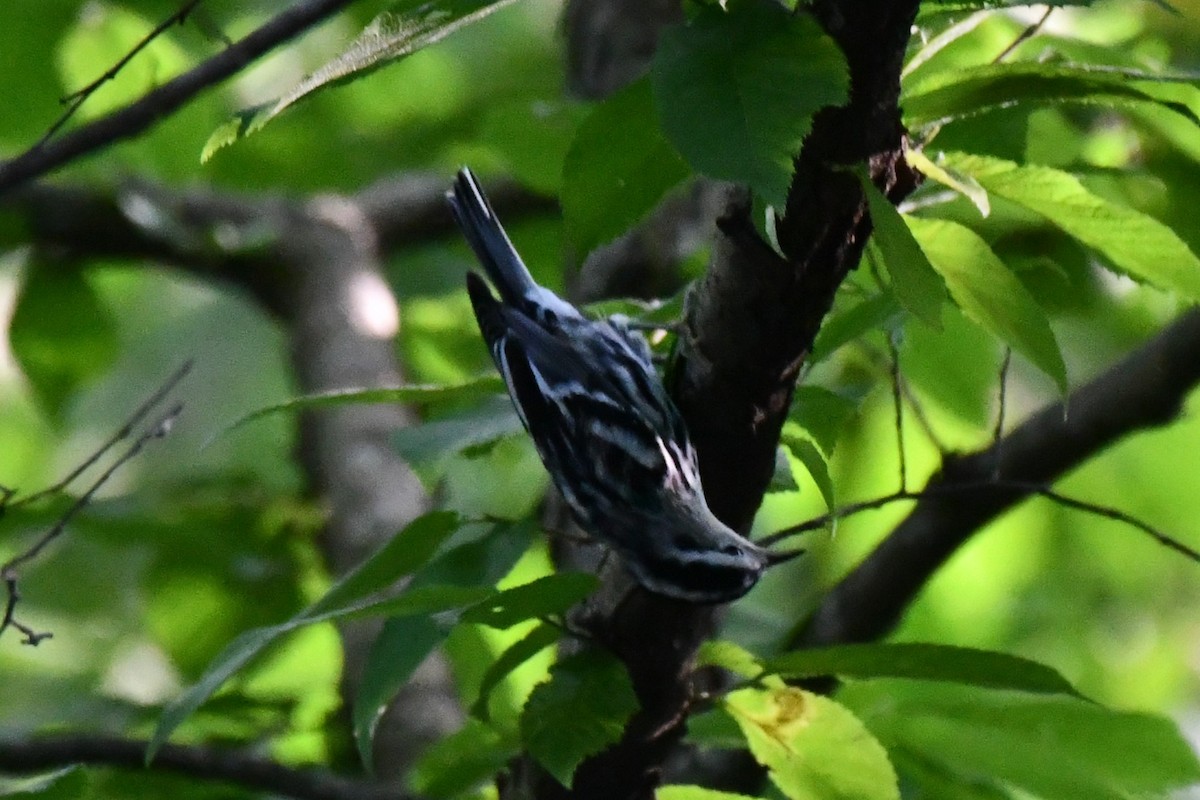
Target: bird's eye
{"x": 731, "y": 550}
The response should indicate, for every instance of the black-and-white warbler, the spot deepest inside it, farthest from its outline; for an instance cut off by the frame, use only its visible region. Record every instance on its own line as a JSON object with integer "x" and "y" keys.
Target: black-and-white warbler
{"x": 612, "y": 440}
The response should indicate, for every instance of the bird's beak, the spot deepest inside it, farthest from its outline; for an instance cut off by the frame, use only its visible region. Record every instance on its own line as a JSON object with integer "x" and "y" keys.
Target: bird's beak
{"x": 776, "y": 557}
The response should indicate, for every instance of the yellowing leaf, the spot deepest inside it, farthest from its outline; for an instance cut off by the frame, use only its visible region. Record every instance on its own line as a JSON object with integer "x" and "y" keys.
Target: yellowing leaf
{"x": 813, "y": 748}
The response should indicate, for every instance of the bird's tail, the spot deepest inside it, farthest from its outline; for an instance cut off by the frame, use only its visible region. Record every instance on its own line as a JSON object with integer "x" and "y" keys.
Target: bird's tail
{"x": 487, "y": 238}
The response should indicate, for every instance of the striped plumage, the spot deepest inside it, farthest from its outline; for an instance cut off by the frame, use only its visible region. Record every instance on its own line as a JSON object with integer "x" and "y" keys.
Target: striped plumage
{"x": 612, "y": 440}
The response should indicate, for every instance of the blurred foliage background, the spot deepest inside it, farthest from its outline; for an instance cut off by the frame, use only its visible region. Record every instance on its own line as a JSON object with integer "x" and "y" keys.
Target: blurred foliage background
{"x": 210, "y": 532}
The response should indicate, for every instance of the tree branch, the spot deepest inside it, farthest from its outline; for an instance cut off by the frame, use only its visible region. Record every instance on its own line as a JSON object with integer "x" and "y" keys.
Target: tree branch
{"x": 1145, "y": 389}
{"x": 750, "y": 323}
{"x": 166, "y": 99}
{"x": 204, "y": 763}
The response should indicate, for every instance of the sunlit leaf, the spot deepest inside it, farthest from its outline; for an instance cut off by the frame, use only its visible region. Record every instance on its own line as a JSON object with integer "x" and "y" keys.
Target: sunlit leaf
{"x": 915, "y": 283}
{"x": 403, "y": 29}
{"x": 989, "y": 294}
{"x": 737, "y": 88}
{"x": 951, "y": 95}
{"x": 1133, "y": 242}
{"x": 880, "y": 311}
{"x": 102, "y": 37}
{"x": 965, "y": 185}
{"x": 1054, "y": 747}
{"x": 817, "y": 464}
{"x": 618, "y": 168}
{"x": 811, "y": 746}
{"x": 822, "y": 414}
{"x": 581, "y": 710}
{"x": 518, "y": 653}
{"x": 930, "y": 662}
{"x": 729, "y": 656}
{"x": 695, "y": 793}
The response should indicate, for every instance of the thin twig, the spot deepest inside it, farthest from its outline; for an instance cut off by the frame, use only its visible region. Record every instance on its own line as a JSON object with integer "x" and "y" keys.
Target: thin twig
{"x": 8, "y": 572}
{"x": 1024, "y": 36}
{"x": 160, "y": 428}
{"x": 1001, "y": 484}
{"x": 80, "y": 96}
{"x": 816, "y": 523}
{"x": 125, "y": 430}
{"x": 166, "y": 99}
{"x": 917, "y": 409}
{"x": 897, "y": 407}
{"x": 998, "y": 431}
{"x": 156, "y": 430}
{"x": 1120, "y": 516}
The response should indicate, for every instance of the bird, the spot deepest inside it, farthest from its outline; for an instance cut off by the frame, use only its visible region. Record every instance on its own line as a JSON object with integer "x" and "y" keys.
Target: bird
{"x": 613, "y": 441}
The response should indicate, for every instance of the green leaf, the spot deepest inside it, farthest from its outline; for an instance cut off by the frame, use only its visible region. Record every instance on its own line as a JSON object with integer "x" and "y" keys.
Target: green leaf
{"x": 956, "y": 367}
{"x": 580, "y": 711}
{"x": 403, "y": 29}
{"x": 61, "y": 334}
{"x": 395, "y": 655}
{"x": 518, "y": 653}
{"x": 939, "y": 779}
{"x": 915, "y": 283}
{"x": 245, "y": 647}
{"x": 425, "y": 599}
{"x": 695, "y": 793}
{"x": 729, "y": 656}
{"x": 482, "y": 561}
{"x": 715, "y": 729}
{"x": 822, "y": 414}
{"x": 1137, "y": 244}
{"x": 879, "y": 311}
{"x": 810, "y": 455}
{"x": 737, "y": 89}
{"x": 811, "y": 746}
{"x": 1053, "y": 747}
{"x": 782, "y": 477}
{"x": 461, "y": 577}
{"x": 952, "y": 95}
{"x": 547, "y": 595}
{"x": 989, "y": 294}
{"x": 69, "y": 781}
{"x": 417, "y": 395}
{"x": 929, "y": 662}
{"x": 617, "y": 169}
{"x": 460, "y": 762}
{"x": 965, "y": 185}
{"x": 403, "y": 554}
{"x": 431, "y": 443}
